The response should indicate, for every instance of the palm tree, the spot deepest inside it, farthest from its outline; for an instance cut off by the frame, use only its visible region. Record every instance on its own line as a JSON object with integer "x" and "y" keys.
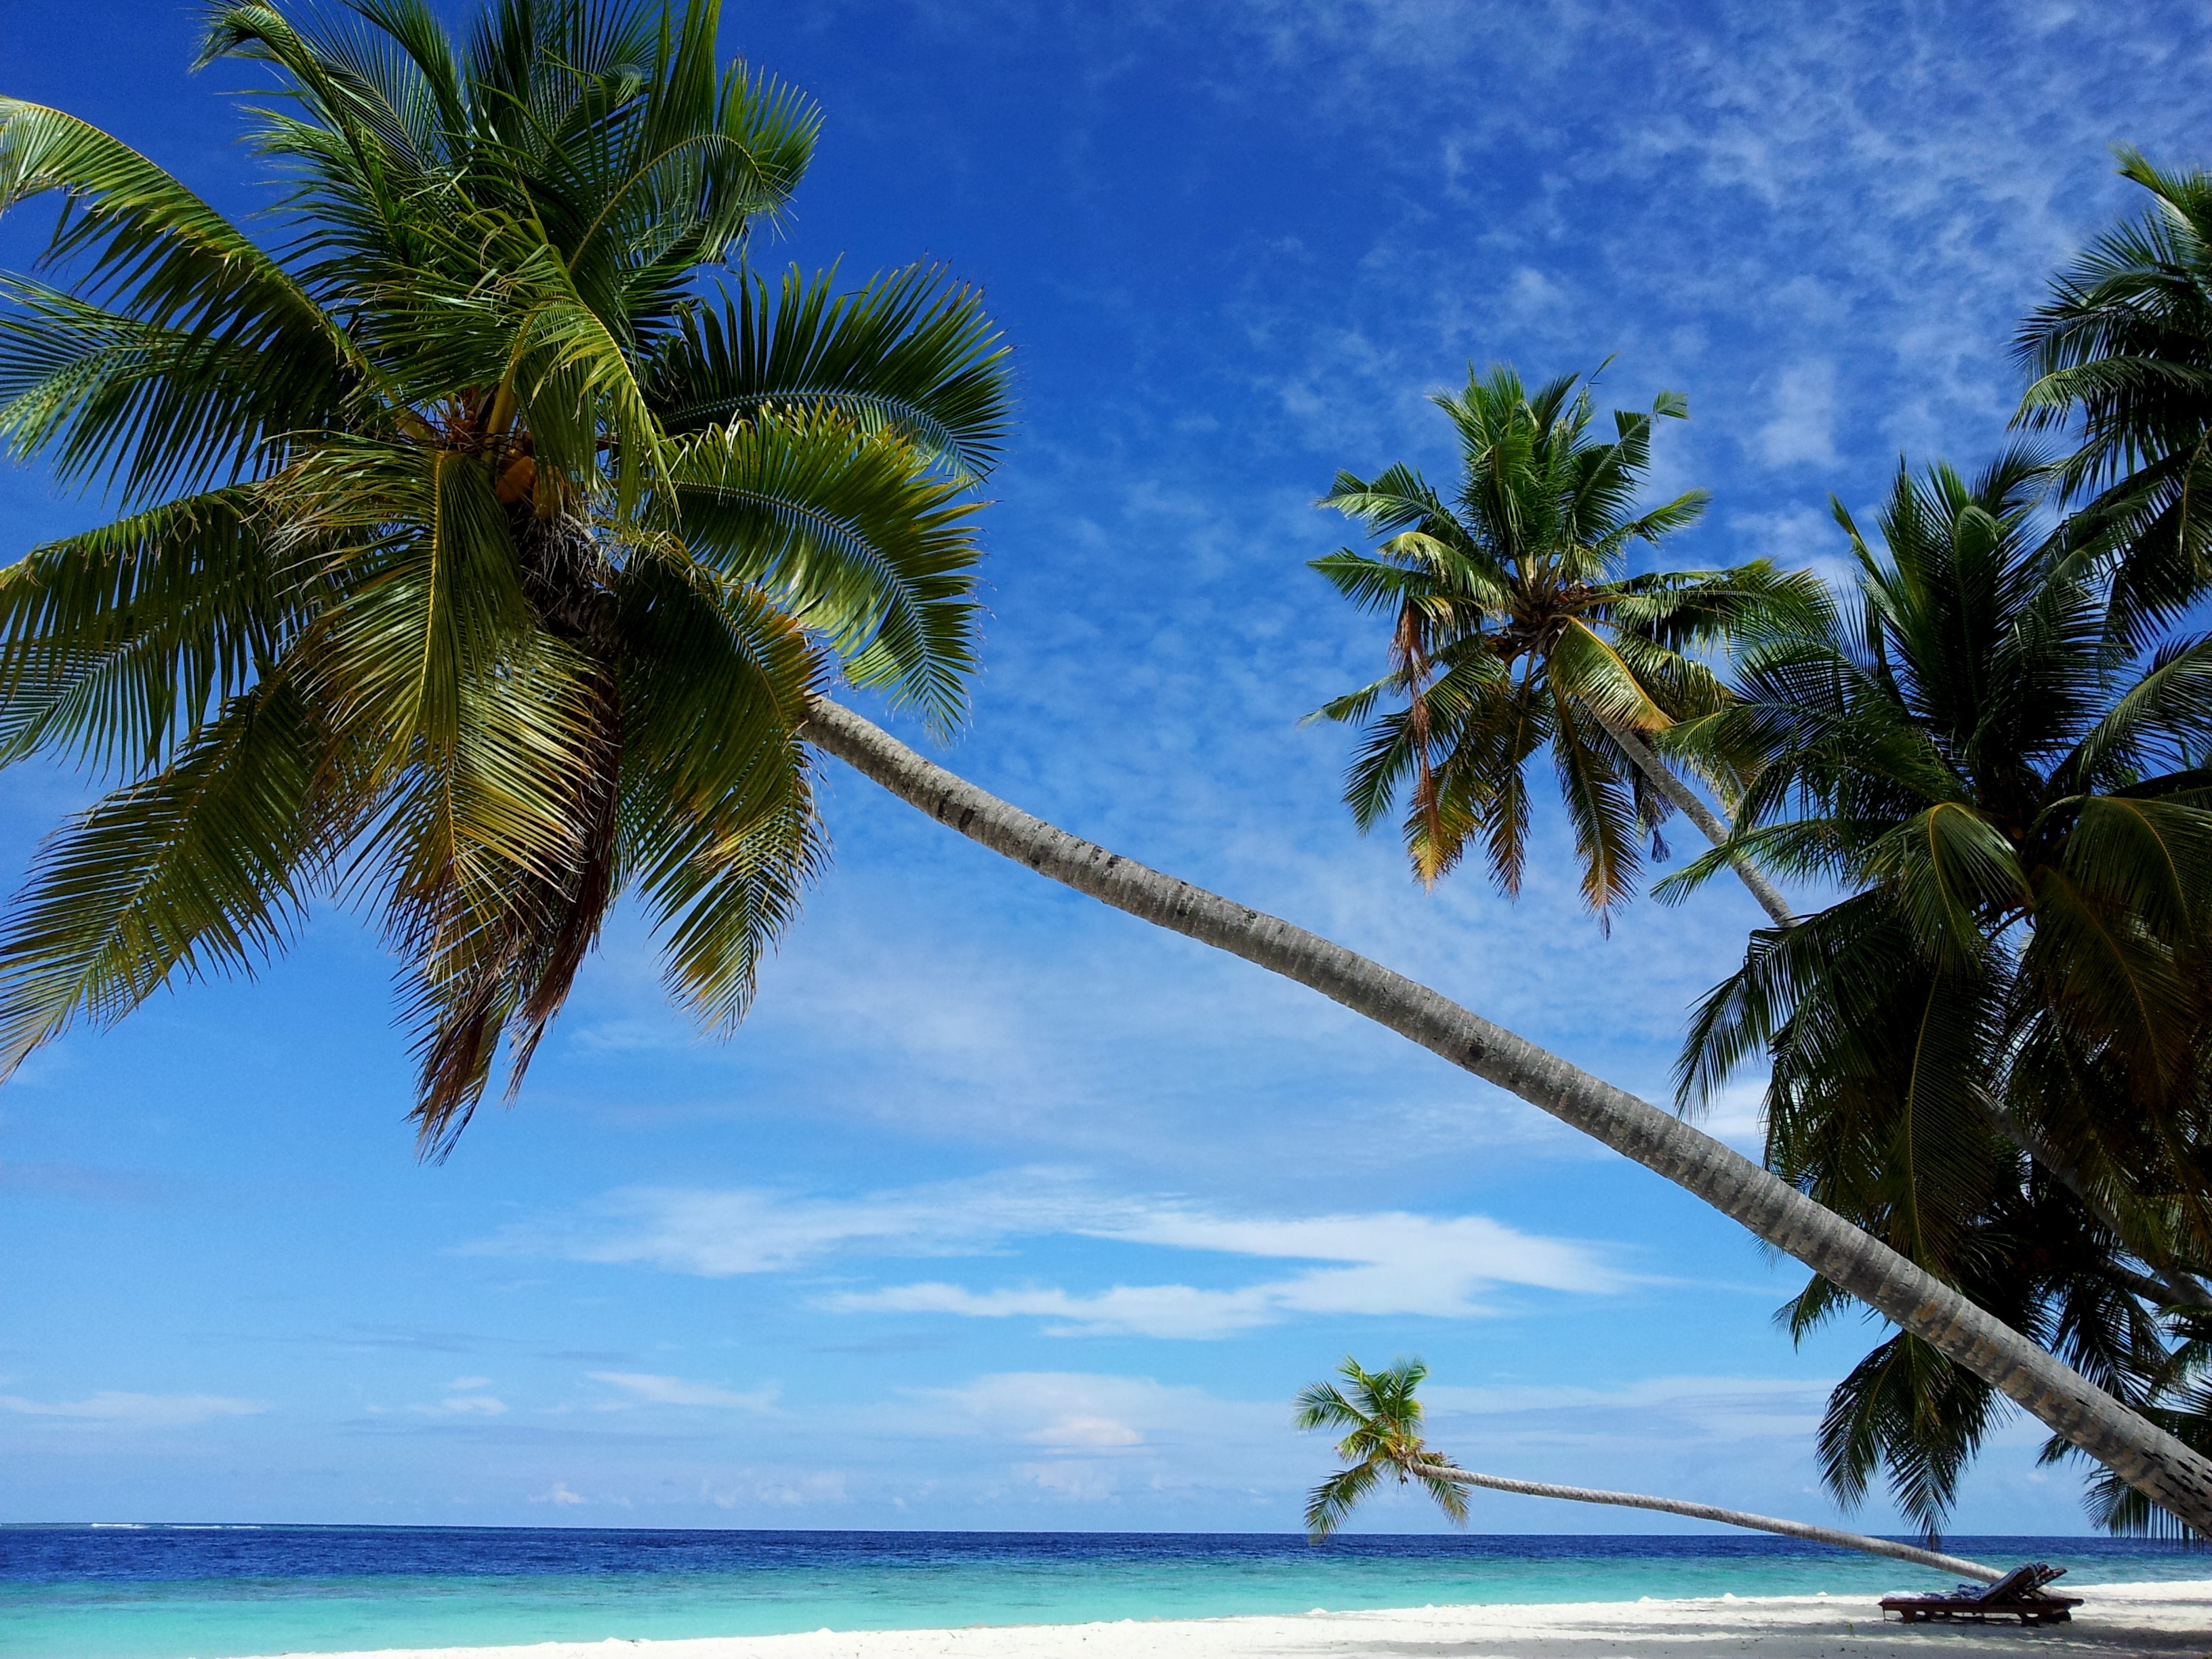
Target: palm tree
{"x": 2015, "y": 800}
{"x": 1382, "y": 1421}
{"x": 2180, "y": 1401}
{"x": 2137, "y": 1451}
{"x": 479, "y": 567}
{"x": 1383, "y": 1414}
{"x": 1515, "y": 630}
{"x": 478, "y": 563}
{"x": 2123, "y": 346}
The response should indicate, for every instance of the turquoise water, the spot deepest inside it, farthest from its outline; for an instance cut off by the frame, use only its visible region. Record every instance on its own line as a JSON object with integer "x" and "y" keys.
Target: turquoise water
{"x": 212, "y": 1592}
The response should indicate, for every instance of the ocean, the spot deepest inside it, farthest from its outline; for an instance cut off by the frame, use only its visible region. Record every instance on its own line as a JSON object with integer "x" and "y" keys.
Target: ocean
{"x": 175, "y": 1592}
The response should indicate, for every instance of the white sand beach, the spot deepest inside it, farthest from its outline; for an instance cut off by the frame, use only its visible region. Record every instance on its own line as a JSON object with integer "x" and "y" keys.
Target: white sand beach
{"x": 2139, "y": 1621}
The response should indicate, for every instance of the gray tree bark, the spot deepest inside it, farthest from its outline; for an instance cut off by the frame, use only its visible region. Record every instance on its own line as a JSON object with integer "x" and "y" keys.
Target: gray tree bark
{"x": 2176, "y": 1284}
{"x": 1632, "y": 1500}
{"x": 2138, "y": 1451}
{"x": 1685, "y": 801}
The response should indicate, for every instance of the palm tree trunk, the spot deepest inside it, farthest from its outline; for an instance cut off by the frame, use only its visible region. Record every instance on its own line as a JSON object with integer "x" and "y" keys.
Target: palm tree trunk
{"x": 2139, "y": 1452}
{"x": 1632, "y": 1500}
{"x": 1684, "y": 800}
{"x": 2179, "y": 1286}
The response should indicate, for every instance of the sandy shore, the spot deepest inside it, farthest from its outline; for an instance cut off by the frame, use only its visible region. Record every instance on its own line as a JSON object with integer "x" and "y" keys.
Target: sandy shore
{"x": 2140, "y": 1621}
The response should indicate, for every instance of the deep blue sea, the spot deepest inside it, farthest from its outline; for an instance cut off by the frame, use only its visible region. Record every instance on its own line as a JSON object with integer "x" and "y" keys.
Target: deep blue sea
{"x": 171, "y": 1592}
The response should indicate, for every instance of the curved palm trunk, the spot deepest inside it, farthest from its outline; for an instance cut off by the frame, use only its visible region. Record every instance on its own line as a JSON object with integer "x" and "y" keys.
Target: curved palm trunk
{"x": 1685, "y": 801}
{"x": 2172, "y": 1284}
{"x": 1632, "y": 1500}
{"x": 2140, "y": 1453}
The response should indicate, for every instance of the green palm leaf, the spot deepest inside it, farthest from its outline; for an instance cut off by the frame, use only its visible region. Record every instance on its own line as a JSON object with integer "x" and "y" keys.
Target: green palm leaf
{"x": 1991, "y": 1052}
{"x": 487, "y": 542}
{"x": 854, "y": 534}
{"x": 203, "y": 868}
{"x": 907, "y": 354}
{"x": 1520, "y": 582}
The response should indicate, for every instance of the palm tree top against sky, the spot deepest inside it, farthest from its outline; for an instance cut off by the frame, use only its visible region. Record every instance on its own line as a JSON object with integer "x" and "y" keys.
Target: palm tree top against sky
{"x": 478, "y": 556}
{"x": 2012, "y": 796}
{"x": 1517, "y": 626}
{"x": 1104, "y": 1147}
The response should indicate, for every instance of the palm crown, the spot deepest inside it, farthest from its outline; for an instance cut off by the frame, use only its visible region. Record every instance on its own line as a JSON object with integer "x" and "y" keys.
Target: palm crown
{"x": 1515, "y": 629}
{"x": 2013, "y": 800}
{"x": 479, "y": 563}
{"x": 2124, "y": 346}
{"x": 1381, "y": 1417}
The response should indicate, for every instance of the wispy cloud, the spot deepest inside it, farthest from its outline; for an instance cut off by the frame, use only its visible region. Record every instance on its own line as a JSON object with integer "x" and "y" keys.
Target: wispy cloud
{"x": 645, "y": 1389}
{"x": 1802, "y": 428}
{"x": 1085, "y": 1413}
{"x": 1385, "y": 1262}
{"x": 464, "y": 1405}
{"x": 718, "y": 1234}
{"x": 144, "y": 1411}
{"x": 1688, "y": 1408}
{"x": 1162, "y": 1310}
{"x": 1400, "y": 1264}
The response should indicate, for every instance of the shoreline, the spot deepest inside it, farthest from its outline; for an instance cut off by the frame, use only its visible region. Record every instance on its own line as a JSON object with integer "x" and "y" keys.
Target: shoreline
{"x": 2146, "y": 1620}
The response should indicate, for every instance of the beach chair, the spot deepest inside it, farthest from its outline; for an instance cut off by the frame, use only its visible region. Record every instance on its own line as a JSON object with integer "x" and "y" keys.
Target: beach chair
{"x": 2019, "y": 1595}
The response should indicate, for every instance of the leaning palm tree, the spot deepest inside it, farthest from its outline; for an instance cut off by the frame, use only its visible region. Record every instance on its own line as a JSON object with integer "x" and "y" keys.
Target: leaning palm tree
{"x": 2122, "y": 351}
{"x": 480, "y": 567}
{"x": 2136, "y": 1451}
{"x": 1515, "y": 629}
{"x": 478, "y": 559}
{"x": 1382, "y": 1416}
{"x": 2013, "y": 800}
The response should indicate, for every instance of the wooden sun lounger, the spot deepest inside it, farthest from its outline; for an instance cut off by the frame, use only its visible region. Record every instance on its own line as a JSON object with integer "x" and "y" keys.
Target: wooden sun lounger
{"x": 2019, "y": 1595}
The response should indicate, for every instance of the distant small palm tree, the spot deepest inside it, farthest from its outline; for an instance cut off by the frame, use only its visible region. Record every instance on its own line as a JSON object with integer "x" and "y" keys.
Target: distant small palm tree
{"x": 1516, "y": 629}
{"x": 1383, "y": 1415}
{"x": 1383, "y": 1418}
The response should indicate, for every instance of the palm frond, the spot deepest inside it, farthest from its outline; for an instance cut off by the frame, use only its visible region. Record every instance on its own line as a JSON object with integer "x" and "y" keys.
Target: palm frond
{"x": 908, "y": 354}
{"x": 119, "y": 643}
{"x": 203, "y": 868}
{"x": 545, "y": 554}
{"x": 854, "y": 535}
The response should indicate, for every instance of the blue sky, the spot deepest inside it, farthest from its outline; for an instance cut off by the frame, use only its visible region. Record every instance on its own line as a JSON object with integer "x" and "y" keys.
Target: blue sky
{"x": 1005, "y": 1211}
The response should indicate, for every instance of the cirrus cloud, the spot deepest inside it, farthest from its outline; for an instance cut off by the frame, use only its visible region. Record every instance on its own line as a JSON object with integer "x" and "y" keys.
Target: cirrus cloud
{"x": 120, "y": 1409}
{"x": 1386, "y": 1262}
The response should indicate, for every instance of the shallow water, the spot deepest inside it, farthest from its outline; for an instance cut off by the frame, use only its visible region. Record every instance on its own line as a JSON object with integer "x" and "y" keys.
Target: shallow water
{"x": 170, "y": 1592}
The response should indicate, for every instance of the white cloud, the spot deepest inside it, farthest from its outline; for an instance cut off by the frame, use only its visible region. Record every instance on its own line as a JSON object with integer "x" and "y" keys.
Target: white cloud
{"x": 1474, "y": 1245}
{"x": 1090, "y": 1433}
{"x": 1164, "y": 1310}
{"x": 464, "y": 1405}
{"x": 1737, "y": 1114}
{"x": 1400, "y": 1264}
{"x": 1580, "y": 1429}
{"x": 1802, "y": 430}
{"x": 1087, "y": 1483}
{"x": 1085, "y": 1413}
{"x": 717, "y": 1234}
{"x": 1388, "y": 1262}
{"x": 557, "y": 1494}
{"x": 821, "y": 1486}
{"x": 1081, "y": 1438}
{"x": 645, "y": 1389}
{"x": 1797, "y": 539}
{"x": 136, "y": 1410}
